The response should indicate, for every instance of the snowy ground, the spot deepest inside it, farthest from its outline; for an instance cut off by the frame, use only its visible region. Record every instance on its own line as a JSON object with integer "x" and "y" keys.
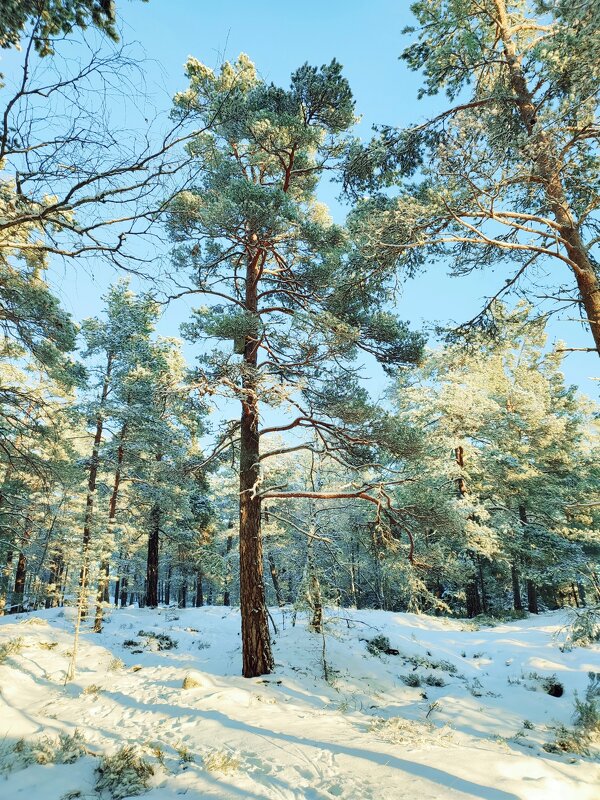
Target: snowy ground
{"x": 361, "y": 733}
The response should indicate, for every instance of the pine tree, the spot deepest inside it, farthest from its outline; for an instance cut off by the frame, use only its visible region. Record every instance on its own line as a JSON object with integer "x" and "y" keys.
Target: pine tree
{"x": 506, "y": 177}
{"x": 515, "y": 447}
{"x": 287, "y": 296}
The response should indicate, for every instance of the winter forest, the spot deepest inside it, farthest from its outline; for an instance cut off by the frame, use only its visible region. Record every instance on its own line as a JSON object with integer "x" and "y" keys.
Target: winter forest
{"x": 299, "y": 419}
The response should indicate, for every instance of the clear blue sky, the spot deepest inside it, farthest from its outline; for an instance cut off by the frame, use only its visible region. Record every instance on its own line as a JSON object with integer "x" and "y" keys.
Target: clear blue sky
{"x": 365, "y": 36}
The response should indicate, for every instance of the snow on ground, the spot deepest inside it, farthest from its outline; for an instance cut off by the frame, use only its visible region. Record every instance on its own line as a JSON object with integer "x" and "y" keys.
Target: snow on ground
{"x": 359, "y": 732}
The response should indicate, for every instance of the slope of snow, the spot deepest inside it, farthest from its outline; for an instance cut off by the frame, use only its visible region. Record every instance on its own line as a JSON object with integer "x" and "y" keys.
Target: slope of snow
{"x": 333, "y": 721}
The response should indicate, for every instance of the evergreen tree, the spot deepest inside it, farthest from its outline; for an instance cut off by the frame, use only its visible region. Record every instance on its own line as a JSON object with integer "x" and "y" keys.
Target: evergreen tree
{"x": 295, "y": 306}
{"x": 508, "y": 175}
{"x": 515, "y": 448}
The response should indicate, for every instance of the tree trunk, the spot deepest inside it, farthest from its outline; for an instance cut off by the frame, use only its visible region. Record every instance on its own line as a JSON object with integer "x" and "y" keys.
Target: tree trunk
{"x": 19, "y": 592}
{"x": 5, "y": 581}
{"x": 182, "y": 600}
{"x": 517, "y": 600}
{"x": 124, "y": 591}
{"x": 152, "y": 562}
{"x": 64, "y": 574}
{"x": 484, "y": 602}
{"x": 102, "y": 596}
{"x": 91, "y": 488}
{"x": 472, "y": 600}
{"x": 53, "y": 587}
{"x": 275, "y": 579}
{"x": 354, "y": 573}
{"x": 226, "y": 588}
{"x": 168, "y": 585}
{"x": 532, "y": 603}
{"x": 257, "y": 658}
{"x": 199, "y": 595}
{"x": 549, "y": 172}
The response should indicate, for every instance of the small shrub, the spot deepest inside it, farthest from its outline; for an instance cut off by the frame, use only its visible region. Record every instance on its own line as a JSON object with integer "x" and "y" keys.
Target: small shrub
{"x": 528, "y": 725}
{"x": 552, "y": 686}
{"x": 475, "y": 687}
{"x": 429, "y": 663}
{"x": 412, "y": 679}
{"x": 34, "y": 621}
{"x": 497, "y": 618}
{"x": 162, "y": 641}
{"x": 221, "y": 761}
{"x": 184, "y": 753}
{"x": 378, "y": 645}
{"x": 433, "y": 680}
{"x": 584, "y": 629}
{"x": 567, "y": 740}
{"x": 409, "y": 731}
{"x": 587, "y": 710}
{"x": 190, "y": 683}
{"x": 586, "y": 718}
{"x": 48, "y": 645}
{"x": 93, "y": 688}
{"x": 131, "y": 643}
{"x": 61, "y": 749}
{"x": 435, "y": 706}
{"x": 158, "y": 753}
{"x": 116, "y": 664}
{"x": 123, "y": 774}
{"x": 11, "y": 648}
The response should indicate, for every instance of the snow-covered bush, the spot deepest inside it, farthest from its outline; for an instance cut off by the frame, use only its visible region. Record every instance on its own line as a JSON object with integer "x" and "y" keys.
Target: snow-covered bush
{"x": 398, "y": 730}
{"x": 433, "y": 680}
{"x": 428, "y": 662}
{"x": 221, "y": 761}
{"x": 185, "y": 754}
{"x": 93, "y": 688}
{"x": 587, "y": 709}
{"x": 378, "y": 645}
{"x": 584, "y": 628}
{"x": 47, "y": 645}
{"x": 552, "y": 686}
{"x": 189, "y": 682}
{"x": 61, "y": 749}
{"x": 123, "y": 774}
{"x": 11, "y": 648}
{"x": 586, "y": 718}
{"x": 158, "y": 641}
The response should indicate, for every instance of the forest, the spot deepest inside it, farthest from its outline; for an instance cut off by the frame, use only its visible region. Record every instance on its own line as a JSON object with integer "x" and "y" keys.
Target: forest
{"x": 253, "y": 424}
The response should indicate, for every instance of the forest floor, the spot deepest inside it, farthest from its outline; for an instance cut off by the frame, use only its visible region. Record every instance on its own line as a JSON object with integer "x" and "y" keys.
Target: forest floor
{"x": 333, "y": 721}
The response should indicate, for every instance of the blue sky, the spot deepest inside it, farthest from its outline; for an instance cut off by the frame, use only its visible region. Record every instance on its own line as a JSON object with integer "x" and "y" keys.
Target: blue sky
{"x": 365, "y": 36}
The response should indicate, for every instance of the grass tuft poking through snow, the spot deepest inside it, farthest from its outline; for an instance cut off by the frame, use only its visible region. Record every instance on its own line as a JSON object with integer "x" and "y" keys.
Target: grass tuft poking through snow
{"x": 410, "y": 732}
{"x": 124, "y": 774}
{"x": 221, "y": 761}
{"x": 61, "y": 749}
{"x": 11, "y": 648}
